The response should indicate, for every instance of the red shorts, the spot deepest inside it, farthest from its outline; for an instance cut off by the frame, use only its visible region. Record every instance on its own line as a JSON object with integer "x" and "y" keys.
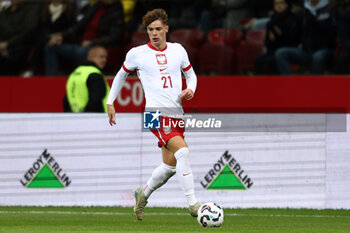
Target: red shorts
{"x": 173, "y": 127}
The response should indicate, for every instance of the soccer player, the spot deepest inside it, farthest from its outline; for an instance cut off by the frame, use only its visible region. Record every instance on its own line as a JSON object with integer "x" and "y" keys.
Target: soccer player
{"x": 158, "y": 65}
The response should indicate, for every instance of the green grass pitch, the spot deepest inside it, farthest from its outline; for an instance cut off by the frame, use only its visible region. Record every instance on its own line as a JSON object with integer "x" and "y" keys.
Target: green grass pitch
{"x": 117, "y": 219}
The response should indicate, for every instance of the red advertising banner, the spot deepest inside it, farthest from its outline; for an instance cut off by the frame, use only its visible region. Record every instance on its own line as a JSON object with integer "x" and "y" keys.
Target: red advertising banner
{"x": 214, "y": 94}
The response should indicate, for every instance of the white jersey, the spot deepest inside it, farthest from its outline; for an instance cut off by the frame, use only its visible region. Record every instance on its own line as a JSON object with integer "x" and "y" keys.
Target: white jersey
{"x": 160, "y": 75}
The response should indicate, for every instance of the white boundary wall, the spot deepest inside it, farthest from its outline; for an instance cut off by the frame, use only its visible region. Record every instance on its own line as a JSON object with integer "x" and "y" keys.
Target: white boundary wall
{"x": 104, "y": 163}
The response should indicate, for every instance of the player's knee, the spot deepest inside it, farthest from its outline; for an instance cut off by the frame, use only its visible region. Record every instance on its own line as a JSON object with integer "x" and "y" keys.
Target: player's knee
{"x": 184, "y": 152}
{"x": 169, "y": 170}
{"x": 183, "y": 159}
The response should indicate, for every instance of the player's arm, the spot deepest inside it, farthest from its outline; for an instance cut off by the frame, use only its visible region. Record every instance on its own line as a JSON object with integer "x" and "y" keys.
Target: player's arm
{"x": 191, "y": 82}
{"x": 191, "y": 78}
{"x": 118, "y": 82}
{"x": 117, "y": 85}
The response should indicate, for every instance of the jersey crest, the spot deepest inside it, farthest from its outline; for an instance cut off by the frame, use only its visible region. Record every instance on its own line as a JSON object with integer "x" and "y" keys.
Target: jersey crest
{"x": 161, "y": 59}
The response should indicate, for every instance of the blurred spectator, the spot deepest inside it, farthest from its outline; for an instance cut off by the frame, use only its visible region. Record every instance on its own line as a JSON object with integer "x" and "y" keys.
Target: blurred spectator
{"x": 260, "y": 8}
{"x": 256, "y": 24}
{"x": 57, "y": 16}
{"x": 236, "y": 11}
{"x": 318, "y": 39}
{"x": 341, "y": 5}
{"x": 185, "y": 14}
{"x": 18, "y": 23}
{"x": 4, "y": 4}
{"x": 86, "y": 87}
{"x": 258, "y": 15}
{"x": 213, "y": 16}
{"x": 342, "y": 60}
{"x": 223, "y": 14}
{"x": 101, "y": 25}
{"x": 282, "y": 30}
{"x": 82, "y": 6}
{"x": 128, "y": 9}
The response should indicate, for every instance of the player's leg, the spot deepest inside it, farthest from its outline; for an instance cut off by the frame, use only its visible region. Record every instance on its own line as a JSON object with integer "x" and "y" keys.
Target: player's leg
{"x": 160, "y": 176}
{"x": 162, "y": 173}
{"x": 178, "y": 146}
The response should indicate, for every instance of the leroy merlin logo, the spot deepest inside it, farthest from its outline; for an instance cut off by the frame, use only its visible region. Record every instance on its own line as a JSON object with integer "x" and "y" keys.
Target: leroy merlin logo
{"x": 45, "y": 173}
{"x": 226, "y": 174}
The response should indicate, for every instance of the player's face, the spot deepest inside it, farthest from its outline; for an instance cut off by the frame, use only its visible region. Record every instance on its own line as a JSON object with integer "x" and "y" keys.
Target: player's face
{"x": 157, "y": 34}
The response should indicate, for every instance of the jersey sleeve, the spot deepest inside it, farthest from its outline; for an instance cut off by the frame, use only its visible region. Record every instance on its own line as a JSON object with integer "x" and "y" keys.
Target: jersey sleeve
{"x": 130, "y": 63}
{"x": 117, "y": 85}
{"x": 128, "y": 67}
{"x": 190, "y": 75}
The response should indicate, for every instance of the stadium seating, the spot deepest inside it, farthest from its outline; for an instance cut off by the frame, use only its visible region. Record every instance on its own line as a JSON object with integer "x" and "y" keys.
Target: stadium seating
{"x": 192, "y": 37}
{"x": 191, "y": 40}
{"x": 249, "y": 48}
{"x": 231, "y": 37}
{"x": 115, "y": 55}
{"x": 139, "y": 38}
{"x": 256, "y": 36}
{"x": 218, "y": 54}
{"x": 113, "y": 60}
{"x": 246, "y": 54}
{"x": 216, "y": 58}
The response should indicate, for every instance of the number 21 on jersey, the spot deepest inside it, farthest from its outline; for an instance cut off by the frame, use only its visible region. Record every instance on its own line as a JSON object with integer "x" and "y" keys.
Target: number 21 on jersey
{"x": 167, "y": 82}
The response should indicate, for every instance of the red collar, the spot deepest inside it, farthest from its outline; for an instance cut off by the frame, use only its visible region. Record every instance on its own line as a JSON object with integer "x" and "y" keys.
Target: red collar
{"x": 154, "y": 48}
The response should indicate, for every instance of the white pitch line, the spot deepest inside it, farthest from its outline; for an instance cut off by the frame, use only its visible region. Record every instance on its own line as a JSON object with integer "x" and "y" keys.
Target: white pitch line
{"x": 290, "y": 215}
{"x": 166, "y": 214}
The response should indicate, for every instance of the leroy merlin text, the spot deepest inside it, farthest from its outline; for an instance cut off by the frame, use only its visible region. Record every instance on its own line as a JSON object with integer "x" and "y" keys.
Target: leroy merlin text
{"x": 227, "y": 158}
{"x": 44, "y": 158}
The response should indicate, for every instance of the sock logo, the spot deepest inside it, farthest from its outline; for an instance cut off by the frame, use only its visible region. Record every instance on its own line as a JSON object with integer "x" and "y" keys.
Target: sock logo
{"x": 186, "y": 174}
{"x": 45, "y": 173}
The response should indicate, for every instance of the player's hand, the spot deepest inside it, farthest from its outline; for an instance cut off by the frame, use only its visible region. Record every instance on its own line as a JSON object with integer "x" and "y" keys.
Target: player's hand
{"x": 187, "y": 94}
{"x": 111, "y": 114}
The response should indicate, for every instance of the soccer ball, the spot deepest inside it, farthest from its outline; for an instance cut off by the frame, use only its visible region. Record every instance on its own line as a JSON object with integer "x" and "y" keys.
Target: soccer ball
{"x": 210, "y": 215}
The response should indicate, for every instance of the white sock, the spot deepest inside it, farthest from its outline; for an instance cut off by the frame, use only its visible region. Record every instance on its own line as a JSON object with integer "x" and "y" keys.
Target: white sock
{"x": 184, "y": 174}
{"x": 160, "y": 176}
